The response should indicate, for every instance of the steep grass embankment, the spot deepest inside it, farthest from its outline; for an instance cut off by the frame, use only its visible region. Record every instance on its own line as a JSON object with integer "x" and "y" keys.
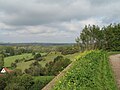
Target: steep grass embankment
{"x": 91, "y": 71}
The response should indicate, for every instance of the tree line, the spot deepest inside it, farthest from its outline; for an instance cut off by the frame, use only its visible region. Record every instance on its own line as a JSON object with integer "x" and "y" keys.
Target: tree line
{"x": 93, "y": 37}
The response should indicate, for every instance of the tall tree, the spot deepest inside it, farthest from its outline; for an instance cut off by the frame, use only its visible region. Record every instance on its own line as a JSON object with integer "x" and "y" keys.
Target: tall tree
{"x": 92, "y": 37}
{"x": 1, "y": 61}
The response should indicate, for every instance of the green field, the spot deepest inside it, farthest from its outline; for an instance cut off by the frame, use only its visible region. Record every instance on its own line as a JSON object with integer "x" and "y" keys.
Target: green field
{"x": 11, "y": 59}
{"x": 52, "y": 55}
{"x": 43, "y": 78}
{"x": 24, "y": 65}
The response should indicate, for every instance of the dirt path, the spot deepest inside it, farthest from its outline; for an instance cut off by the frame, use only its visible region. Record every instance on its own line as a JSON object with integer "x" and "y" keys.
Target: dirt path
{"x": 115, "y": 62}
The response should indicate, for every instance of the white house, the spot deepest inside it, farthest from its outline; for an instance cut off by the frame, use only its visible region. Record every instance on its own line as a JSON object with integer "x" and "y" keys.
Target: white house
{"x": 6, "y": 70}
{"x": 3, "y": 70}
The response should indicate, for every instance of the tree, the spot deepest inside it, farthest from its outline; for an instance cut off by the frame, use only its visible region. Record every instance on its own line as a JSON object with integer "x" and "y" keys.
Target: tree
{"x": 59, "y": 63}
{"x": 36, "y": 56}
{"x": 14, "y": 65}
{"x": 1, "y": 61}
{"x": 26, "y": 81}
{"x": 14, "y": 86}
{"x": 17, "y": 72}
{"x": 106, "y": 38}
{"x": 2, "y": 83}
{"x": 33, "y": 53}
{"x": 112, "y": 37}
{"x": 10, "y": 51}
{"x": 35, "y": 69}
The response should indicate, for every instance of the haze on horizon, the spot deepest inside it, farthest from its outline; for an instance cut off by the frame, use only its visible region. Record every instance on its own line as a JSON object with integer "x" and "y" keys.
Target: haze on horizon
{"x": 53, "y": 21}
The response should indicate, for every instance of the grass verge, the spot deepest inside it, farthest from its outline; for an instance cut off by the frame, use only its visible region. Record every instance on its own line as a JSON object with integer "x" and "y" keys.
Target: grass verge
{"x": 91, "y": 71}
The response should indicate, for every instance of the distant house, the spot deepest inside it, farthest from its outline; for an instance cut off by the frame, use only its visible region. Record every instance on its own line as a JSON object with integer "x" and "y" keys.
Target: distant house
{"x": 5, "y": 70}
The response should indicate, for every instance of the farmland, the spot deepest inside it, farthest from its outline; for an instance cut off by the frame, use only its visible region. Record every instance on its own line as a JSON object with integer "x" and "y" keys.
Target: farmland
{"x": 11, "y": 59}
{"x": 24, "y": 65}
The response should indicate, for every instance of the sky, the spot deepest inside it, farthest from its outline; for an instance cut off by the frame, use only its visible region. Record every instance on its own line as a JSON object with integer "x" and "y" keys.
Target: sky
{"x": 53, "y": 21}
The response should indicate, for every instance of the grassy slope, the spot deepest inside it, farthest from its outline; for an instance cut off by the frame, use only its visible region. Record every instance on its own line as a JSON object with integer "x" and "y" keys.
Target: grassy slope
{"x": 90, "y": 72}
{"x": 24, "y": 65}
{"x": 11, "y": 59}
{"x": 52, "y": 55}
{"x": 43, "y": 78}
{"x": 114, "y": 52}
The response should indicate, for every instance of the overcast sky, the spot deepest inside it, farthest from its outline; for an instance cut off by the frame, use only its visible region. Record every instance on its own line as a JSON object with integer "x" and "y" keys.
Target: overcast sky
{"x": 53, "y": 21}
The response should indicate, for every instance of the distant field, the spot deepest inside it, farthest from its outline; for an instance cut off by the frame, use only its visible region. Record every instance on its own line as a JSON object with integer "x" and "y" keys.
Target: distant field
{"x": 72, "y": 56}
{"x": 24, "y": 65}
{"x": 49, "y": 57}
{"x": 52, "y": 55}
{"x": 11, "y": 59}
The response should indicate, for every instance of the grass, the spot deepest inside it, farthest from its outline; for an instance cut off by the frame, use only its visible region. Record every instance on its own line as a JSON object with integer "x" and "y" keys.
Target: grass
{"x": 114, "y": 52}
{"x": 49, "y": 57}
{"x": 72, "y": 57}
{"x": 41, "y": 81}
{"x": 24, "y": 65}
{"x": 43, "y": 78}
{"x": 52, "y": 55}
{"x": 11, "y": 59}
{"x": 91, "y": 71}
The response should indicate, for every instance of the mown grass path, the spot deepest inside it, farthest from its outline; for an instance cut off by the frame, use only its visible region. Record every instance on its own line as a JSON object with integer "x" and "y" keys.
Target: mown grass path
{"x": 115, "y": 62}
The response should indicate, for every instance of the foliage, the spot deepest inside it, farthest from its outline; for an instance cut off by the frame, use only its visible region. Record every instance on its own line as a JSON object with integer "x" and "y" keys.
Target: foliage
{"x": 14, "y": 86}
{"x": 91, "y": 71}
{"x": 40, "y": 82}
{"x": 17, "y": 72}
{"x": 1, "y": 61}
{"x": 25, "y": 81}
{"x": 67, "y": 50}
{"x": 59, "y": 63}
{"x": 94, "y": 37}
{"x": 35, "y": 69}
{"x": 19, "y": 81}
{"x": 13, "y": 65}
{"x": 37, "y": 56}
{"x": 2, "y": 83}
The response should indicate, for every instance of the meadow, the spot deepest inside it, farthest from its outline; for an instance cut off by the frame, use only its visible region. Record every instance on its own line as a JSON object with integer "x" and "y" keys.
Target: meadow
{"x": 25, "y": 65}
{"x": 11, "y": 59}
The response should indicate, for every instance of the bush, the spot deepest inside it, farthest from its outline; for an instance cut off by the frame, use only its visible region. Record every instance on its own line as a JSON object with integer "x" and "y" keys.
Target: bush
{"x": 35, "y": 69}
{"x": 59, "y": 63}
{"x": 14, "y": 65}
{"x": 36, "y": 56}
{"x": 26, "y": 60}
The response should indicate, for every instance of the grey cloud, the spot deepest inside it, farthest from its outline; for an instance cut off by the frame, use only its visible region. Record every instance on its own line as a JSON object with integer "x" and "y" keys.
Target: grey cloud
{"x": 40, "y": 13}
{"x": 65, "y": 18}
{"x": 30, "y": 12}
